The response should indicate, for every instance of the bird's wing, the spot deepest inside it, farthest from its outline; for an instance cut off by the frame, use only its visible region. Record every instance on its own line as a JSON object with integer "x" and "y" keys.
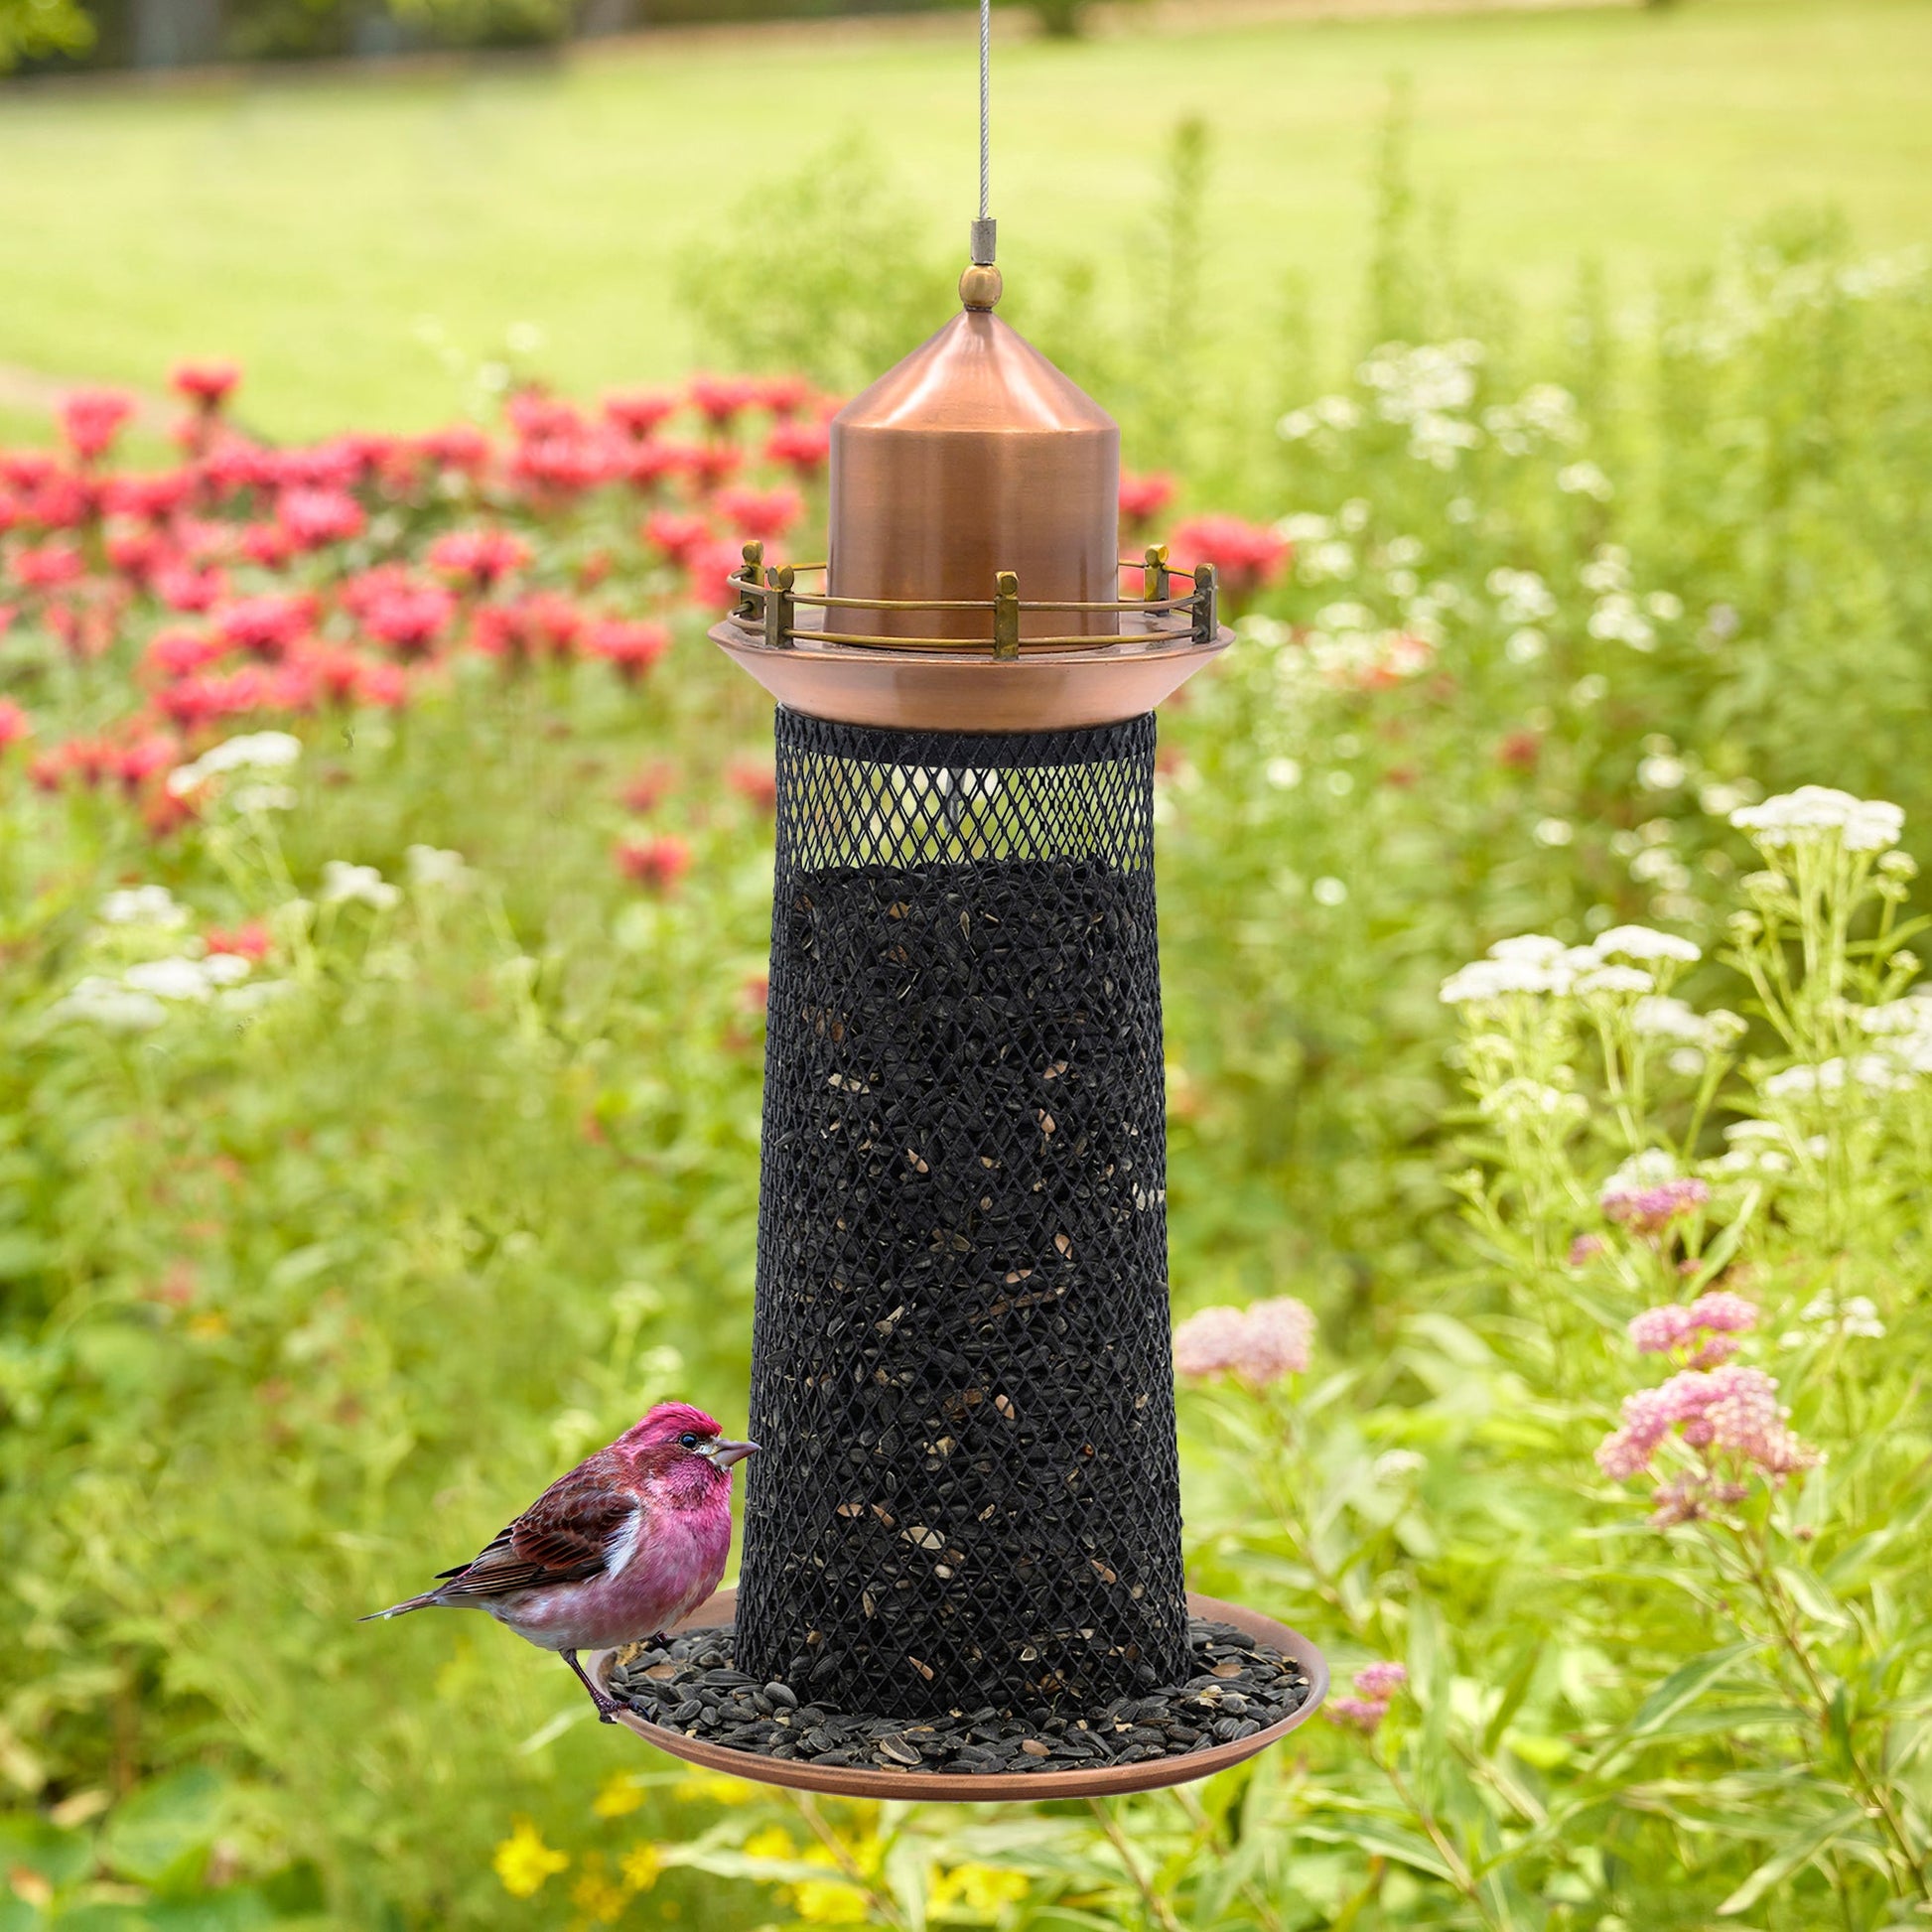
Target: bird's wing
{"x": 564, "y": 1537}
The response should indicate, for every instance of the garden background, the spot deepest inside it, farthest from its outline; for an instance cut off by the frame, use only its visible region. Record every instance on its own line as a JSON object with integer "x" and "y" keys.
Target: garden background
{"x": 384, "y": 867}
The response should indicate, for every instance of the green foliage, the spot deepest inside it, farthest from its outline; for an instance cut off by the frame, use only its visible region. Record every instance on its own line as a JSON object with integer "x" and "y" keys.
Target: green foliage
{"x": 824, "y": 272}
{"x": 33, "y": 28}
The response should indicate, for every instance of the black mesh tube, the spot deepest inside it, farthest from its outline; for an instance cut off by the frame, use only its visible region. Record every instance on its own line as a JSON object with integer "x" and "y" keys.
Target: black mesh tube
{"x": 961, "y": 1371}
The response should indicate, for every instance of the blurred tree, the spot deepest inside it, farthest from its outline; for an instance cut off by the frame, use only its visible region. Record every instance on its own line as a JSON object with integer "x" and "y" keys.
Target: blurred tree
{"x": 32, "y": 29}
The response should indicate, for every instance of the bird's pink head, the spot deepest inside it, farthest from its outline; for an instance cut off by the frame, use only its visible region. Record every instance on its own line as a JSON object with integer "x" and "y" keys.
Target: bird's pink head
{"x": 673, "y": 1430}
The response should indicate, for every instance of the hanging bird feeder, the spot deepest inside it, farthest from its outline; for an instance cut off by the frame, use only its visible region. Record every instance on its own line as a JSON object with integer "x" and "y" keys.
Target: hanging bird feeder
{"x": 962, "y": 1569}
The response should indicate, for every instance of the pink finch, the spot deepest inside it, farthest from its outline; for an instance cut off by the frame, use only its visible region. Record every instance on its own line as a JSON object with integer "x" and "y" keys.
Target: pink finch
{"x": 628, "y": 1543}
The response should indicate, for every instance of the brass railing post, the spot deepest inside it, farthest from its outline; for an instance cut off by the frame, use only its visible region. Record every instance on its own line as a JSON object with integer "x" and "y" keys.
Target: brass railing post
{"x": 1206, "y": 617}
{"x": 781, "y": 608}
{"x": 1005, "y": 616}
{"x": 751, "y": 574}
{"x": 1154, "y": 582}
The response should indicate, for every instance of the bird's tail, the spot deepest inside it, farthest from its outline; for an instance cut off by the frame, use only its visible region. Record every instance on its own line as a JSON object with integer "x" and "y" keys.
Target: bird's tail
{"x": 429, "y": 1600}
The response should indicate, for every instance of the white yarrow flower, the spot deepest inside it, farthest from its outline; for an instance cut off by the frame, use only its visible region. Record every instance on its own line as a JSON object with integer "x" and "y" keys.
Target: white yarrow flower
{"x": 344, "y": 883}
{"x": 437, "y": 866}
{"x": 107, "y": 1003}
{"x": 1643, "y": 942}
{"x": 143, "y": 905}
{"x": 1817, "y": 811}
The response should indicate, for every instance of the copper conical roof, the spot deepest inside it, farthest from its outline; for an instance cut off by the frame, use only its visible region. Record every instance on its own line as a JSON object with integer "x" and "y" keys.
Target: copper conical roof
{"x": 974, "y": 456}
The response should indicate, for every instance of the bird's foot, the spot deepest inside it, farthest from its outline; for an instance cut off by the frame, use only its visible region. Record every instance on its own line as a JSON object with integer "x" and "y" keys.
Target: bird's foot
{"x": 606, "y": 1708}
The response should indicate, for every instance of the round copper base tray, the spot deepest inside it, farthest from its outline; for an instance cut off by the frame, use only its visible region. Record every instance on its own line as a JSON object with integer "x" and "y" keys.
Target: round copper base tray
{"x": 930, "y": 690}
{"x": 954, "y": 1787}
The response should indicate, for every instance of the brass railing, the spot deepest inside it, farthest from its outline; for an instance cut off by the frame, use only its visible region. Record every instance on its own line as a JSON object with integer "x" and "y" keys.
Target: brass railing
{"x": 768, "y": 600}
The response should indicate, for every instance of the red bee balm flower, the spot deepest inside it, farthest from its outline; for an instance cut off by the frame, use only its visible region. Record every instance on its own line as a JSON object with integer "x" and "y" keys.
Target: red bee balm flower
{"x": 1249, "y": 556}
{"x": 247, "y": 941}
{"x": 409, "y": 617}
{"x": 760, "y": 512}
{"x": 1143, "y": 498}
{"x": 631, "y": 647}
{"x": 92, "y": 419}
{"x": 312, "y": 519}
{"x": 50, "y": 568}
{"x": 801, "y": 447}
{"x": 720, "y": 399}
{"x": 638, "y": 412}
{"x": 482, "y": 556}
{"x": 655, "y": 864}
{"x": 14, "y": 724}
{"x": 207, "y": 385}
{"x": 268, "y": 626}
{"x": 676, "y": 537}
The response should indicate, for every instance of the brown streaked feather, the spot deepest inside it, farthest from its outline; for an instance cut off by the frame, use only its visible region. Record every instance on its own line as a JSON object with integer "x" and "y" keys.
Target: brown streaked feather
{"x": 564, "y": 1537}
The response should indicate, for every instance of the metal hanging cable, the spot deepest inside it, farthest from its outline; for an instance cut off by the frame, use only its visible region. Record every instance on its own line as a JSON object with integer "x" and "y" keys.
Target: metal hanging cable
{"x": 985, "y": 229}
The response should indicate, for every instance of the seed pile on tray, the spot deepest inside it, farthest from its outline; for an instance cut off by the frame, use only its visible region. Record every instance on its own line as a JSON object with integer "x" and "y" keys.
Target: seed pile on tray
{"x": 1237, "y": 1686}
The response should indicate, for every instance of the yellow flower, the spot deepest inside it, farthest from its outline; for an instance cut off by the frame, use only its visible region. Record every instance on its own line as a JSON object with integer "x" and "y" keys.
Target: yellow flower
{"x": 775, "y": 1842}
{"x": 717, "y": 1788}
{"x": 597, "y": 1898}
{"x": 623, "y": 1792}
{"x": 641, "y": 1867}
{"x": 523, "y": 1862}
{"x": 829, "y": 1902}
{"x": 980, "y": 1887}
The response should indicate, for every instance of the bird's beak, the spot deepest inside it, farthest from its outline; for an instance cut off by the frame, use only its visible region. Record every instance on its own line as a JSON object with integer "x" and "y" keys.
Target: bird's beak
{"x": 725, "y": 1452}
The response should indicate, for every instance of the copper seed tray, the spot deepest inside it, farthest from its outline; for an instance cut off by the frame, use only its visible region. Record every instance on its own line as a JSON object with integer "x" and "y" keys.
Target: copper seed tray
{"x": 954, "y": 1787}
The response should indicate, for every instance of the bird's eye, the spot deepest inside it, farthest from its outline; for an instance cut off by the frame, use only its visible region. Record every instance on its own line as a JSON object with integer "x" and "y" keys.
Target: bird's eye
{"x": 688, "y": 1441}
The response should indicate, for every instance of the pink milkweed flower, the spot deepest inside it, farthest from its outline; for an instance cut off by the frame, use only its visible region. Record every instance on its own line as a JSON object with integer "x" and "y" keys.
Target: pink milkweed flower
{"x": 1248, "y": 556}
{"x": 631, "y": 647}
{"x": 1586, "y": 1248}
{"x": 1262, "y": 1343}
{"x": 1381, "y": 1680}
{"x": 1706, "y": 1328}
{"x": 14, "y": 724}
{"x": 1358, "y": 1714}
{"x": 312, "y": 519}
{"x": 91, "y": 420}
{"x": 637, "y": 412}
{"x": 484, "y": 557}
{"x": 762, "y": 513}
{"x": 207, "y": 385}
{"x": 1652, "y": 1209}
{"x": 1143, "y": 498}
{"x": 1730, "y": 1411}
{"x": 655, "y": 864}
{"x": 801, "y": 446}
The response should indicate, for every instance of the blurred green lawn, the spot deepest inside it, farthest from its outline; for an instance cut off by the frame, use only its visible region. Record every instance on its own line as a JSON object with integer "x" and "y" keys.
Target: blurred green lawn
{"x": 305, "y": 226}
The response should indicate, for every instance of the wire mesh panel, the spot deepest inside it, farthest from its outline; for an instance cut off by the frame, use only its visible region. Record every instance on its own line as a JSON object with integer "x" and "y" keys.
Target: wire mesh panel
{"x": 961, "y": 1371}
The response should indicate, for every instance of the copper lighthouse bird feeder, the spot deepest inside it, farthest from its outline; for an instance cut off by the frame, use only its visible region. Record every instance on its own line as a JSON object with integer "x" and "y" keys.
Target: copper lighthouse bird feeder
{"x": 965, "y": 1528}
